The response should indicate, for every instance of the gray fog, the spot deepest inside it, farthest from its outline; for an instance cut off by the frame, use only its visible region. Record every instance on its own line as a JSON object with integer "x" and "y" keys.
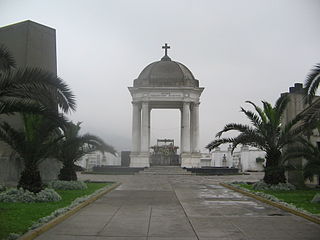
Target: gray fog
{"x": 238, "y": 50}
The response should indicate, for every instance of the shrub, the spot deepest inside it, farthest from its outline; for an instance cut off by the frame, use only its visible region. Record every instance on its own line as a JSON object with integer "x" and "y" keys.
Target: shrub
{"x": 2, "y": 188}
{"x": 67, "y": 185}
{"x": 278, "y": 187}
{"x": 13, "y": 236}
{"x": 261, "y": 185}
{"x": 20, "y": 195}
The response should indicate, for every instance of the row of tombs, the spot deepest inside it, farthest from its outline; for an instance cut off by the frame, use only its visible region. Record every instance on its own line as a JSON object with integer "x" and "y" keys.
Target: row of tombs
{"x": 244, "y": 159}
{"x": 165, "y": 153}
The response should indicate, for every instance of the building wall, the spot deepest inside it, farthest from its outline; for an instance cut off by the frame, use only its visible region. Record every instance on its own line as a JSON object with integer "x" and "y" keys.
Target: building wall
{"x": 294, "y": 107}
{"x": 31, "y": 44}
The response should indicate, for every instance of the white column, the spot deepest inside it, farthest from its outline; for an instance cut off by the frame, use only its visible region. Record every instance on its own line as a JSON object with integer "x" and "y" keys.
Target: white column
{"x": 191, "y": 127}
{"x": 186, "y": 127}
{"x": 149, "y": 127}
{"x": 181, "y": 130}
{"x": 136, "y": 127}
{"x": 145, "y": 127}
{"x": 195, "y": 128}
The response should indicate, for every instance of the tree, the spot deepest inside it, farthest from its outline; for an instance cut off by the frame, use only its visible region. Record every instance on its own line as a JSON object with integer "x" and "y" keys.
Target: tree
{"x": 73, "y": 146}
{"x": 31, "y": 90}
{"x": 266, "y": 133}
{"x": 312, "y": 83}
{"x": 305, "y": 149}
{"x": 32, "y": 144}
{"x": 39, "y": 95}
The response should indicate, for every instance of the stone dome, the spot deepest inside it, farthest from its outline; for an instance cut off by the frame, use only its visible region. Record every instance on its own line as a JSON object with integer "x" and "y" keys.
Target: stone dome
{"x": 166, "y": 73}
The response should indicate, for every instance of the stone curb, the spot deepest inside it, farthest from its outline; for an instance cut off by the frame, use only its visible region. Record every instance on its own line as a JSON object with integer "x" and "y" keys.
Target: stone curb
{"x": 275, "y": 204}
{"x": 36, "y": 232}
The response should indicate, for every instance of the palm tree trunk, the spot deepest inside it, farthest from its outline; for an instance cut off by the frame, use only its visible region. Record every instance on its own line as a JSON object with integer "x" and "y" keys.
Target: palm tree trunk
{"x": 30, "y": 179}
{"x": 274, "y": 173}
{"x": 67, "y": 172}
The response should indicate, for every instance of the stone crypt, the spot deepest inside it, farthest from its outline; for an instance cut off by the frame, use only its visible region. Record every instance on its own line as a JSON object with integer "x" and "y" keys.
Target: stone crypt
{"x": 165, "y": 84}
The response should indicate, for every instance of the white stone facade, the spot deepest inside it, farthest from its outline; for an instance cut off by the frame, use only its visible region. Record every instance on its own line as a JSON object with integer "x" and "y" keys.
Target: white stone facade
{"x": 98, "y": 159}
{"x": 146, "y": 99}
{"x": 165, "y": 84}
{"x": 246, "y": 159}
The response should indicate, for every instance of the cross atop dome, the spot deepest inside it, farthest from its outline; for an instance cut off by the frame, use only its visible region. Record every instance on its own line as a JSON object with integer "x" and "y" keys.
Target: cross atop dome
{"x": 165, "y": 57}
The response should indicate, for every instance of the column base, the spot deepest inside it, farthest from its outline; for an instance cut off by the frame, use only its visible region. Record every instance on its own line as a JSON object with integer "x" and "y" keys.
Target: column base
{"x": 139, "y": 159}
{"x": 190, "y": 160}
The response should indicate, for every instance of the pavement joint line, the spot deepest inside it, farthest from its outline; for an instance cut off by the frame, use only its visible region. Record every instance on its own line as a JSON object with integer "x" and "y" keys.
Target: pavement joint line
{"x": 275, "y": 204}
{"x": 115, "y": 213}
{"x": 45, "y": 227}
{"x": 149, "y": 222}
{"x": 184, "y": 211}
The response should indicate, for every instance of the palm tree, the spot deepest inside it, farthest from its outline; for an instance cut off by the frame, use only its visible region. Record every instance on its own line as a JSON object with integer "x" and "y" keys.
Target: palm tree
{"x": 305, "y": 149}
{"x": 39, "y": 95}
{"x": 32, "y": 144}
{"x": 267, "y": 133}
{"x": 312, "y": 83}
{"x": 73, "y": 146}
{"x": 31, "y": 89}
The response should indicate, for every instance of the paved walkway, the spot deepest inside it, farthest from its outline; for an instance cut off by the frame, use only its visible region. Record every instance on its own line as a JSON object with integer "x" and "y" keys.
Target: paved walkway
{"x": 160, "y": 207}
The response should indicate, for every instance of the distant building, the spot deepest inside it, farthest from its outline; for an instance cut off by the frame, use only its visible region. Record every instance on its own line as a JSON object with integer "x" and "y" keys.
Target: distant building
{"x": 205, "y": 160}
{"x": 98, "y": 159}
{"x": 247, "y": 159}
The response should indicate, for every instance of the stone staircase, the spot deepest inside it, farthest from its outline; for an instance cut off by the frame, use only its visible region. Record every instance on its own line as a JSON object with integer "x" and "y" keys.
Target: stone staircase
{"x": 165, "y": 170}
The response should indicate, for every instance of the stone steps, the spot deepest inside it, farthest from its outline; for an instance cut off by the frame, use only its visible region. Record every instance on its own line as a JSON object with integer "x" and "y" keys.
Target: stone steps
{"x": 165, "y": 170}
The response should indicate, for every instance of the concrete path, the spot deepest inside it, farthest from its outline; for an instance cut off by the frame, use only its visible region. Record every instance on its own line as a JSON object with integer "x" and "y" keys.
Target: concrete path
{"x": 163, "y": 207}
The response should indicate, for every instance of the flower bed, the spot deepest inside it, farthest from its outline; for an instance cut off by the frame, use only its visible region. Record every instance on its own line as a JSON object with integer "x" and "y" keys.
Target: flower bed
{"x": 20, "y": 217}
{"x": 299, "y": 200}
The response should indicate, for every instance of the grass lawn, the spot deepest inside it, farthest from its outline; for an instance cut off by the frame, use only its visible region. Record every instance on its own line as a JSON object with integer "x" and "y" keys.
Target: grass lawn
{"x": 18, "y": 217}
{"x": 299, "y": 198}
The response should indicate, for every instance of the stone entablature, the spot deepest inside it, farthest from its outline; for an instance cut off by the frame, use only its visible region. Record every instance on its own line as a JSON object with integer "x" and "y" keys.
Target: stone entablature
{"x": 159, "y": 96}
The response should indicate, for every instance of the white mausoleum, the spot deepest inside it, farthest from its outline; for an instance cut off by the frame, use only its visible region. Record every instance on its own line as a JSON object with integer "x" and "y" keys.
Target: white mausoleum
{"x": 246, "y": 159}
{"x": 165, "y": 84}
{"x": 98, "y": 158}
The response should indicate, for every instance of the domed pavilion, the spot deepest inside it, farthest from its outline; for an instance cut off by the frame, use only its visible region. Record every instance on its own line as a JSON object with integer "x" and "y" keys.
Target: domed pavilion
{"x": 165, "y": 84}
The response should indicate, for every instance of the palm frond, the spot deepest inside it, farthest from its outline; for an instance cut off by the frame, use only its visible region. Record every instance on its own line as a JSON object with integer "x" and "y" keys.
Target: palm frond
{"x": 234, "y": 126}
{"x": 312, "y": 83}
{"x": 6, "y": 59}
{"x": 251, "y": 139}
{"x": 281, "y": 105}
{"x": 254, "y": 118}
{"x": 12, "y": 137}
{"x": 218, "y": 142}
{"x": 259, "y": 111}
{"x": 38, "y": 85}
{"x": 98, "y": 143}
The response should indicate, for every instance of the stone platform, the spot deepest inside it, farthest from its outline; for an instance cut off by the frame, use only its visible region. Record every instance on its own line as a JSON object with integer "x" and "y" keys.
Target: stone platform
{"x": 165, "y": 170}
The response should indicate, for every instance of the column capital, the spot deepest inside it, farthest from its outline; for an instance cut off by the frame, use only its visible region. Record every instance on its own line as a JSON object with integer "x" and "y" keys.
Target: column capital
{"x": 186, "y": 103}
{"x": 196, "y": 104}
{"x": 135, "y": 103}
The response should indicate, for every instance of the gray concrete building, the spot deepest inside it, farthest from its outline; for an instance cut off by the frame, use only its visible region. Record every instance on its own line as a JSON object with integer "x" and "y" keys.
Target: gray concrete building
{"x": 295, "y": 107}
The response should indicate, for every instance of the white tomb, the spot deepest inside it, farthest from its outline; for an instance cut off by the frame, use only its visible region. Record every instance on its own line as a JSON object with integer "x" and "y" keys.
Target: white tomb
{"x": 165, "y": 84}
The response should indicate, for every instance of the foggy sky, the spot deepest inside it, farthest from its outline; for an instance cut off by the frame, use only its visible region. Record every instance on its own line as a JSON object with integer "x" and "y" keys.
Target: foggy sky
{"x": 238, "y": 50}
